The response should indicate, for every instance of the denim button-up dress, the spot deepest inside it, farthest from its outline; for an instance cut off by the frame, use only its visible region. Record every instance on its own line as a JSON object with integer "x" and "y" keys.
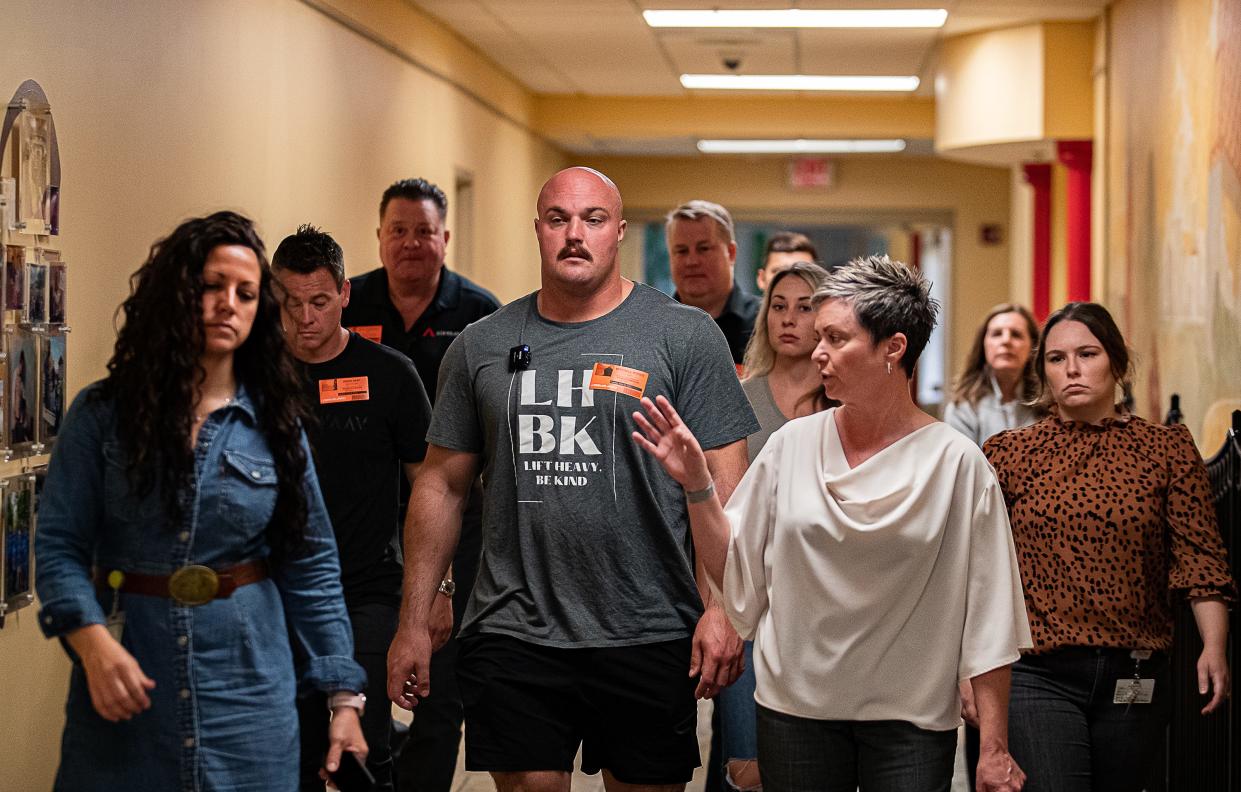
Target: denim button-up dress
{"x": 222, "y": 713}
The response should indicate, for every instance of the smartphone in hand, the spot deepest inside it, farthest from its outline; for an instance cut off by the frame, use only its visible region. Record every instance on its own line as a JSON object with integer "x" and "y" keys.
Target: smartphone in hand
{"x": 352, "y": 775}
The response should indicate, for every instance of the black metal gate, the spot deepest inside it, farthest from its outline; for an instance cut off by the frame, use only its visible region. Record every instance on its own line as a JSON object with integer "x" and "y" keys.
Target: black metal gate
{"x": 1203, "y": 751}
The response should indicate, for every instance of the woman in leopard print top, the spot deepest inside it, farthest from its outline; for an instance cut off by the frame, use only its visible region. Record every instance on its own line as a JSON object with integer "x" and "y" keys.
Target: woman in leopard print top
{"x": 1113, "y": 521}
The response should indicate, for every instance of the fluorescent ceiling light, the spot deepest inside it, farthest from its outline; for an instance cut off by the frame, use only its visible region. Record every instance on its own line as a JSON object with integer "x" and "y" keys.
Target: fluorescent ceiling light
{"x": 799, "y": 18}
{"x": 801, "y": 146}
{"x": 798, "y": 82}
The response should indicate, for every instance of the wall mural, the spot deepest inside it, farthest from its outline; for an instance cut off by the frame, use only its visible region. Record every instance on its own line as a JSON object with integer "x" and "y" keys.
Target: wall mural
{"x": 1174, "y": 198}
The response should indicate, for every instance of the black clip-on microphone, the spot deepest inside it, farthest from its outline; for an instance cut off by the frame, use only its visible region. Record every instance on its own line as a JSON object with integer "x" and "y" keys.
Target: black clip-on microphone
{"x": 519, "y": 358}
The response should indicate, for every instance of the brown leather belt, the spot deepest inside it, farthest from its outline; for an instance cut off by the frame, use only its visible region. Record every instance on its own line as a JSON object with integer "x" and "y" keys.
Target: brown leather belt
{"x": 190, "y": 585}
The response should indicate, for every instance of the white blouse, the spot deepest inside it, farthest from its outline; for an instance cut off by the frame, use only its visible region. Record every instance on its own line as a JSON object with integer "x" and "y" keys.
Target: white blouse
{"x": 869, "y": 592}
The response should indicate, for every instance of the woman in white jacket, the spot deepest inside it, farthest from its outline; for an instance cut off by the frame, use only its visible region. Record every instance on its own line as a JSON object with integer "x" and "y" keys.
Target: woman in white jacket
{"x": 867, "y": 553}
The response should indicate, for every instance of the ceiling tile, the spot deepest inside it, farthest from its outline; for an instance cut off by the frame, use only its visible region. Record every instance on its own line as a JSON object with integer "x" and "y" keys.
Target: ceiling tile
{"x": 891, "y": 52}
{"x": 603, "y": 47}
{"x": 704, "y": 51}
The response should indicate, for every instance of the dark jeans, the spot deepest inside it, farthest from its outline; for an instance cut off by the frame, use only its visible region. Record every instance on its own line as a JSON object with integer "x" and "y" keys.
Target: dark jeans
{"x": 1068, "y": 736}
{"x": 374, "y": 624}
{"x": 806, "y": 755}
{"x": 428, "y": 759}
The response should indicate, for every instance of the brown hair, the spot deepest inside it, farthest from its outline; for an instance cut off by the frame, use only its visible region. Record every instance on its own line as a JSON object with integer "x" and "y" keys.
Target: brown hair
{"x": 788, "y": 242}
{"x": 975, "y": 380}
{"x": 1101, "y": 325}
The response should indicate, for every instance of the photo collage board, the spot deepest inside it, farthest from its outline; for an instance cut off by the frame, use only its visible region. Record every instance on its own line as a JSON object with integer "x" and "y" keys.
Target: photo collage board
{"x": 33, "y": 324}
{"x": 19, "y": 496}
{"x": 33, "y": 368}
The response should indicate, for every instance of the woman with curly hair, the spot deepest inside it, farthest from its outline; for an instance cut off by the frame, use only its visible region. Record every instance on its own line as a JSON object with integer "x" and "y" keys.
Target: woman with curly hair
{"x": 183, "y": 540}
{"x": 993, "y": 392}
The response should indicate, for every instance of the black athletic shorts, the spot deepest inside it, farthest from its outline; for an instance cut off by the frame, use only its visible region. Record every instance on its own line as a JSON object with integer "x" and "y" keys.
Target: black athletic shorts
{"x": 528, "y": 707}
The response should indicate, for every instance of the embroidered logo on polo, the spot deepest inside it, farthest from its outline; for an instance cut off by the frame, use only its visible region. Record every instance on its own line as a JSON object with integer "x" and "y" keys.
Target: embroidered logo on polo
{"x": 431, "y": 332}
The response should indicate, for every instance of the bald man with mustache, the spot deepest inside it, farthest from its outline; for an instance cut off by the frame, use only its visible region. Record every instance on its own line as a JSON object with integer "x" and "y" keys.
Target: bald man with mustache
{"x": 587, "y": 626}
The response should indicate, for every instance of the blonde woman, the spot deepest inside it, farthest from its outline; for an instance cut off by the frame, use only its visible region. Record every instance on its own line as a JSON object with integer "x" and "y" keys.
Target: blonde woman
{"x": 782, "y": 383}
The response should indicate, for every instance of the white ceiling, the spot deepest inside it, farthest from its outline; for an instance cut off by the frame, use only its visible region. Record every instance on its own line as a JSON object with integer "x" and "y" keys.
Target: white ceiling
{"x": 604, "y": 48}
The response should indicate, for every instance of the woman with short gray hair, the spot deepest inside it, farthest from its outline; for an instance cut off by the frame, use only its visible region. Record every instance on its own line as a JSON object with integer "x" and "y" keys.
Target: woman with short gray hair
{"x": 867, "y": 553}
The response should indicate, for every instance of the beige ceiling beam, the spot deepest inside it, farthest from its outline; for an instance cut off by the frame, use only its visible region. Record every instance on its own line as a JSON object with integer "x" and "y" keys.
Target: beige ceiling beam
{"x": 575, "y": 118}
{"x": 1006, "y": 96}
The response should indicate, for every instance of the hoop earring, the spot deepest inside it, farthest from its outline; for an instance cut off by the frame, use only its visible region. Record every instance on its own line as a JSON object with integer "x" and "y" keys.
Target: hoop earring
{"x": 889, "y": 368}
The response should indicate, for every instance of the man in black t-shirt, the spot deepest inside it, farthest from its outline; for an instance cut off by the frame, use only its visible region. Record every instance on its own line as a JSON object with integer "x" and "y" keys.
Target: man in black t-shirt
{"x": 417, "y": 306}
{"x": 370, "y": 433}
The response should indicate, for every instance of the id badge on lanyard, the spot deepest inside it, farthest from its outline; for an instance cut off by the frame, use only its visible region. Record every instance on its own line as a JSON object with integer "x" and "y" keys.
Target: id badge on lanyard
{"x": 1135, "y": 690}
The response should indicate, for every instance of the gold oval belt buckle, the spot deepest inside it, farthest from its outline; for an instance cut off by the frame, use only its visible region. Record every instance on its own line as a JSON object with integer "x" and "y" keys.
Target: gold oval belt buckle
{"x": 194, "y": 585}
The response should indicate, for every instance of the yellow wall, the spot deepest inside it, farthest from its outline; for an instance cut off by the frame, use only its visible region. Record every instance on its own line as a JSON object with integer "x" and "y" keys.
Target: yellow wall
{"x": 1021, "y": 225}
{"x": 270, "y": 107}
{"x": 577, "y": 121}
{"x": 1059, "y": 235}
{"x": 868, "y": 189}
{"x": 1068, "y": 84}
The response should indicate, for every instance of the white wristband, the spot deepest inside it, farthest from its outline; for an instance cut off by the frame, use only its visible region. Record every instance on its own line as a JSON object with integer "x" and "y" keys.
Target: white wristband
{"x": 347, "y": 698}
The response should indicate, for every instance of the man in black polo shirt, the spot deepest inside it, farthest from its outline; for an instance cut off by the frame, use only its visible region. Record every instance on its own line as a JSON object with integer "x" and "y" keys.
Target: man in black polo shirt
{"x": 417, "y": 306}
{"x": 370, "y": 434}
{"x": 701, "y": 250}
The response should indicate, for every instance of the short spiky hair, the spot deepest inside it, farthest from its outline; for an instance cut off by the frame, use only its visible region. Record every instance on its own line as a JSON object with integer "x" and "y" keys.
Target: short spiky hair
{"x": 696, "y": 210}
{"x": 888, "y": 297}
{"x": 415, "y": 190}
{"x": 309, "y": 250}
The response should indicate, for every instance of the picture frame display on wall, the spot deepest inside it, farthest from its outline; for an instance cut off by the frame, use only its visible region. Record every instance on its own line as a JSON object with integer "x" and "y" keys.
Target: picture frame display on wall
{"x": 18, "y": 519}
{"x": 51, "y": 389}
{"x": 8, "y": 204}
{"x": 22, "y": 360}
{"x": 5, "y": 451}
{"x": 35, "y": 312}
{"x": 4, "y": 486}
{"x": 57, "y": 288}
{"x": 35, "y": 170}
{"x": 14, "y": 277}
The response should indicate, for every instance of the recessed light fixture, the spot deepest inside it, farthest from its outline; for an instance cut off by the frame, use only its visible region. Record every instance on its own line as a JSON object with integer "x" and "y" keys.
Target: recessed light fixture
{"x": 798, "y": 82}
{"x": 801, "y": 146}
{"x": 799, "y": 18}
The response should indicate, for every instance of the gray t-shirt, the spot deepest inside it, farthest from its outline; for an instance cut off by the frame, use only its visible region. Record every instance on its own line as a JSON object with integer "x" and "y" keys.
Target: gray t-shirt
{"x": 586, "y": 540}
{"x": 758, "y": 391}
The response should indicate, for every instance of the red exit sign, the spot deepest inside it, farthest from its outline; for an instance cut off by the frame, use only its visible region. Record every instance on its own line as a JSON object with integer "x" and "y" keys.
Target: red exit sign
{"x": 811, "y": 173}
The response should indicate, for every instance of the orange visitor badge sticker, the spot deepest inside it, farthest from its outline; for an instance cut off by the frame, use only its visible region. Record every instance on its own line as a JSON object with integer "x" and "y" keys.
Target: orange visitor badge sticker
{"x": 618, "y": 379}
{"x": 373, "y": 333}
{"x": 345, "y": 389}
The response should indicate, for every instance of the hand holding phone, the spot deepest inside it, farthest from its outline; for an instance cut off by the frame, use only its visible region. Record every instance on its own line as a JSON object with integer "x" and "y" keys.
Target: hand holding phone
{"x": 352, "y": 775}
